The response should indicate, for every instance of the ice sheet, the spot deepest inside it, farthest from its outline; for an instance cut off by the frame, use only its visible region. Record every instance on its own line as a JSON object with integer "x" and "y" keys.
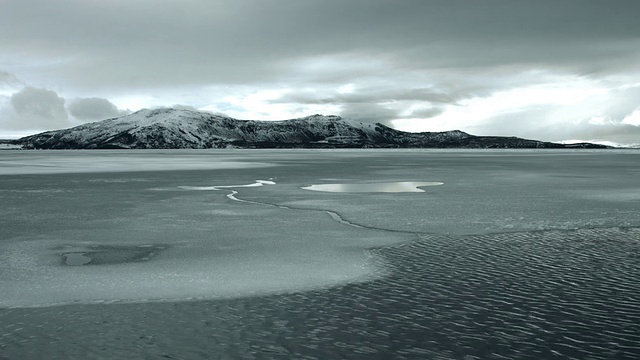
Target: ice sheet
{"x": 98, "y": 161}
{"x": 219, "y": 232}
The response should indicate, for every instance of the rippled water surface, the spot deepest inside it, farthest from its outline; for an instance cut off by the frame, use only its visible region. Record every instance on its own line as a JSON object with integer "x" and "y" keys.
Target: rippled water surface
{"x": 519, "y": 255}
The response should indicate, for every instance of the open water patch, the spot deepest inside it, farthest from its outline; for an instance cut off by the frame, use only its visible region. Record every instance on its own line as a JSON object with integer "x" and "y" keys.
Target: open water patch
{"x": 111, "y": 255}
{"x": 385, "y": 187}
{"x": 75, "y": 259}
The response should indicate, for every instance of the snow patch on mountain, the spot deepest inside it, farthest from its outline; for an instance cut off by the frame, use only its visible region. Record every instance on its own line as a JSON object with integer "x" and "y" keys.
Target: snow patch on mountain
{"x": 168, "y": 128}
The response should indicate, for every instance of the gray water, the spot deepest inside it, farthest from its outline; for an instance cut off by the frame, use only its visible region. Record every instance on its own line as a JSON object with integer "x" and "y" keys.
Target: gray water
{"x": 193, "y": 255}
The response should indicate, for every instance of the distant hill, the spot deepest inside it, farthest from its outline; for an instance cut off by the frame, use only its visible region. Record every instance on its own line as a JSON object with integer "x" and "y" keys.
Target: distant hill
{"x": 169, "y": 128}
{"x": 6, "y": 144}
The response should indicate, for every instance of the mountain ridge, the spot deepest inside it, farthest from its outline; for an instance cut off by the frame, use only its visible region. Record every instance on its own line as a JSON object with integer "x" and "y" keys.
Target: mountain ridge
{"x": 169, "y": 128}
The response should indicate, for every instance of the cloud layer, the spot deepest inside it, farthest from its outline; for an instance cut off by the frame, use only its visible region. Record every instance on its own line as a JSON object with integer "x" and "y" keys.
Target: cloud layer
{"x": 34, "y": 109}
{"x": 411, "y": 63}
{"x": 92, "y": 109}
{"x": 39, "y": 107}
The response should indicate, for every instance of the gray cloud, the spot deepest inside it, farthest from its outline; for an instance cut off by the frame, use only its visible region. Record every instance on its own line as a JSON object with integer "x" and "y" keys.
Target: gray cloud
{"x": 419, "y": 54}
{"x": 382, "y": 105}
{"x": 540, "y": 124}
{"x": 184, "y": 107}
{"x": 91, "y": 109}
{"x": 430, "y": 95}
{"x": 427, "y": 112}
{"x": 35, "y": 108}
{"x": 39, "y": 109}
{"x": 621, "y": 133}
{"x": 8, "y": 78}
{"x": 9, "y": 83}
{"x": 134, "y": 44}
{"x": 368, "y": 113}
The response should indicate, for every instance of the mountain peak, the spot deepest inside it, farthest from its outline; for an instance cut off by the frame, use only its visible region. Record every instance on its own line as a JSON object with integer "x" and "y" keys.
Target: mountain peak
{"x": 319, "y": 117}
{"x": 170, "y": 128}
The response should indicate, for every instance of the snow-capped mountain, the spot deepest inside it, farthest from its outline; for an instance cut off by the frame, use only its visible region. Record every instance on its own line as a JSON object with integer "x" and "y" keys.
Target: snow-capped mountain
{"x": 169, "y": 128}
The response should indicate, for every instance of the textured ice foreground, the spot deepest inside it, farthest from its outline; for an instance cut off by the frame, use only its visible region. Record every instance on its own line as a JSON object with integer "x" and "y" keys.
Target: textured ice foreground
{"x": 112, "y": 232}
{"x": 162, "y": 225}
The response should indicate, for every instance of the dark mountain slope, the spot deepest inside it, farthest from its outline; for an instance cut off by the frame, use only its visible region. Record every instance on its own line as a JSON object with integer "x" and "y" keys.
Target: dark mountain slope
{"x": 185, "y": 129}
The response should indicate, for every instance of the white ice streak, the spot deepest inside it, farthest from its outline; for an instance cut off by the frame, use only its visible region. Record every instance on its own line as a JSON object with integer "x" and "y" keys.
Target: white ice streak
{"x": 221, "y": 187}
{"x": 232, "y": 194}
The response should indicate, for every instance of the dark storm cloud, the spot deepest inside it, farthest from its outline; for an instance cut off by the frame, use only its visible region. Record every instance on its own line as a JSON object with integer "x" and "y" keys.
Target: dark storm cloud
{"x": 138, "y": 43}
{"x": 91, "y": 109}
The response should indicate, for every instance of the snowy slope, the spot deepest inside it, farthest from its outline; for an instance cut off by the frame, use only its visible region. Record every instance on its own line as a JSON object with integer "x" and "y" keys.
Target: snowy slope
{"x": 168, "y": 128}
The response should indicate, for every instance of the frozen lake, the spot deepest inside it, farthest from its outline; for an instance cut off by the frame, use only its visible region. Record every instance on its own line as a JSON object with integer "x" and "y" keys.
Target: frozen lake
{"x": 367, "y": 254}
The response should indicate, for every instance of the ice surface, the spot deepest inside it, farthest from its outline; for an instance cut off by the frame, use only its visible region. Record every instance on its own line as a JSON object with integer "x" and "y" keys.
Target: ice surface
{"x": 392, "y": 187}
{"x": 72, "y": 161}
{"x": 146, "y": 244}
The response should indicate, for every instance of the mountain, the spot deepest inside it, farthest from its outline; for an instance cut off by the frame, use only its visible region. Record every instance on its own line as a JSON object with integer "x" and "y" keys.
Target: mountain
{"x": 169, "y": 128}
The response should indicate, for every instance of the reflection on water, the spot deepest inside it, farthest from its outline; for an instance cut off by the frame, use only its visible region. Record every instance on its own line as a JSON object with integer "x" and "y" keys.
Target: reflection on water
{"x": 389, "y": 187}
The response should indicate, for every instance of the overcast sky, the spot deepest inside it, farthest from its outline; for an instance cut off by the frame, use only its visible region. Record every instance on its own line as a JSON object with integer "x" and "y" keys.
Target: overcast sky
{"x": 545, "y": 69}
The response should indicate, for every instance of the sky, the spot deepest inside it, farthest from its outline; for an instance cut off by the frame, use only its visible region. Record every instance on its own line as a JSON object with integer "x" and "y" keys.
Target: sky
{"x": 553, "y": 70}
